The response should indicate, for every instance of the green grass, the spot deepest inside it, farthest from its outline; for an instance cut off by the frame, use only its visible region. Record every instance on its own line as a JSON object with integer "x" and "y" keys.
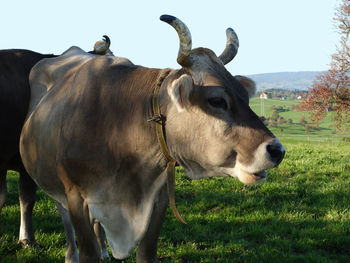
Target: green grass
{"x": 300, "y": 214}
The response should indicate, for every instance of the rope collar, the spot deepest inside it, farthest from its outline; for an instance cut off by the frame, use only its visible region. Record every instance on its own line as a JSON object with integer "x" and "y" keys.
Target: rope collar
{"x": 160, "y": 119}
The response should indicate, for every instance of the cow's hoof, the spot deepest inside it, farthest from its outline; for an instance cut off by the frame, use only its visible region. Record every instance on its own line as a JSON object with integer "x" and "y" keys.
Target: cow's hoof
{"x": 25, "y": 243}
{"x": 72, "y": 258}
{"x": 105, "y": 257}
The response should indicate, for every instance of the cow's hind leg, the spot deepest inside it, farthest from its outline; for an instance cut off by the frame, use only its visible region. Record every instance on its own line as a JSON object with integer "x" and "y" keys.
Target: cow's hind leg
{"x": 147, "y": 250}
{"x": 100, "y": 238}
{"x": 27, "y": 190}
{"x": 89, "y": 250}
{"x": 72, "y": 251}
{"x": 3, "y": 191}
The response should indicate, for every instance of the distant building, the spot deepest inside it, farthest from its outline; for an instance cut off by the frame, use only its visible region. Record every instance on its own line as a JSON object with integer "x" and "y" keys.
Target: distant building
{"x": 263, "y": 95}
{"x": 299, "y": 97}
{"x": 282, "y": 97}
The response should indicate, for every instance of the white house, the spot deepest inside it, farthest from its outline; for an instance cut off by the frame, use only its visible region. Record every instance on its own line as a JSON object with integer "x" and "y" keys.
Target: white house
{"x": 263, "y": 95}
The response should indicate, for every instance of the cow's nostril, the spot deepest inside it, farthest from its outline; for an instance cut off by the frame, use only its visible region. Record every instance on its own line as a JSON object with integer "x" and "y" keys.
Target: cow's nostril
{"x": 276, "y": 152}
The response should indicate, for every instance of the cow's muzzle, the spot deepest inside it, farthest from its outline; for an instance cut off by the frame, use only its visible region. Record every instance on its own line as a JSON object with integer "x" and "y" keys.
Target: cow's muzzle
{"x": 269, "y": 154}
{"x": 275, "y": 151}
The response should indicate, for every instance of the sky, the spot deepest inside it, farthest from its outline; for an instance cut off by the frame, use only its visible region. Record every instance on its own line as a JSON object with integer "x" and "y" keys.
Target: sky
{"x": 274, "y": 35}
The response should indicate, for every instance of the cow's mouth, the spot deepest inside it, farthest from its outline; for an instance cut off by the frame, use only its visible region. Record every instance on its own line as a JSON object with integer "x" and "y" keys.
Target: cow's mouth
{"x": 251, "y": 178}
{"x": 261, "y": 175}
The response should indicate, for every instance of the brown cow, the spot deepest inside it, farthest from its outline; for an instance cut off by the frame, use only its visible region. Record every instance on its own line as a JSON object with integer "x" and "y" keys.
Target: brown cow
{"x": 88, "y": 143}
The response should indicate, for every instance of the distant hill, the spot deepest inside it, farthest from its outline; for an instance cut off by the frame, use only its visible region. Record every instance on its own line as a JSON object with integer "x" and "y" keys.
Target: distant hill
{"x": 285, "y": 80}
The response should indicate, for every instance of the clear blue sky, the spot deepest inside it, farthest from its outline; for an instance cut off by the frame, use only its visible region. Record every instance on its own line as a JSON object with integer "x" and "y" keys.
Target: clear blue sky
{"x": 275, "y": 35}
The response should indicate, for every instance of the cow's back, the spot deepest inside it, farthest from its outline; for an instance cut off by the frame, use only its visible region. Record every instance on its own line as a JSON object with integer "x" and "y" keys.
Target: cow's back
{"x": 62, "y": 91}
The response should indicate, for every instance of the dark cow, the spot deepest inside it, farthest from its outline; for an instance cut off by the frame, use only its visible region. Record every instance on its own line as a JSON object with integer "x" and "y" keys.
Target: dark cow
{"x": 95, "y": 142}
{"x": 15, "y": 65}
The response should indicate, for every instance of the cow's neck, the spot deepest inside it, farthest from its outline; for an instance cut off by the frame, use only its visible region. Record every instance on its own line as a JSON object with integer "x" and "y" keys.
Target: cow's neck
{"x": 160, "y": 120}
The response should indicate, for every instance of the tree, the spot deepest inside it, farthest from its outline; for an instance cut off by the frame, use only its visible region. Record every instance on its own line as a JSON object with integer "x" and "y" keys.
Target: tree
{"x": 281, "y": 120}
{"x": 307, "y": 129}
{"x": 272, "y": 123}
{"x": 331, "y": 90}
{"x": 274, "y": 115}
{"x": 302, "y": 119}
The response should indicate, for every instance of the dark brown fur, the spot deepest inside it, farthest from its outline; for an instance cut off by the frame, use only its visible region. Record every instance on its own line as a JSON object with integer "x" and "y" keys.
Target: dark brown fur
{"x": 15, "y": 65}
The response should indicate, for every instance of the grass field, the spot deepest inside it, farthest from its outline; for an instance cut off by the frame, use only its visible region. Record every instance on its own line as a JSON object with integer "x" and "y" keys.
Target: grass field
{"x": 300, "y": 214}
{"x": 326, "y": 127}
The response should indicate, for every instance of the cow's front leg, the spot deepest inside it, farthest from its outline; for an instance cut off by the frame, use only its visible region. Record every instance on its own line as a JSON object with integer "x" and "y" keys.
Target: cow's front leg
{"x": 27, "y": 190}
{"x": 89, "y": 250}
{"x": 3, "y": 191}
{"x": 147, "y": 251}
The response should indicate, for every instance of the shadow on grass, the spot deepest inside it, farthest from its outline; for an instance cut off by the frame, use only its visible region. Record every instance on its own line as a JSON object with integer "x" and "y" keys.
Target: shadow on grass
{"x": 249, "y": 225}
{"x": 297, "y": 221}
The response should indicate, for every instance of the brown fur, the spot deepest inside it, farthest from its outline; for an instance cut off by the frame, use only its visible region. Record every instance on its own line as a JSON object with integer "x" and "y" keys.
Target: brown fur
{"x": 108, "y": 155}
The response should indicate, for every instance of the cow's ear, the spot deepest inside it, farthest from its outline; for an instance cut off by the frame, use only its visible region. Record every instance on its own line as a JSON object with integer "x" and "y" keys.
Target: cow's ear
{"x": 179, "y": 91}
{"x": 248, "y": 83}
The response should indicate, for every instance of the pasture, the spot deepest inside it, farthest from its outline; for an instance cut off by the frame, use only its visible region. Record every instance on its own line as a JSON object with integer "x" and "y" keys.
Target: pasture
{"x": 300, "y": 214}
{"x": 326, "y": 127}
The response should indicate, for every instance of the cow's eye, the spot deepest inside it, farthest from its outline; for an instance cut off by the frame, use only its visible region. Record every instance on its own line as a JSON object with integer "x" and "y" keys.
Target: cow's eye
{"x": 218, "y": 102}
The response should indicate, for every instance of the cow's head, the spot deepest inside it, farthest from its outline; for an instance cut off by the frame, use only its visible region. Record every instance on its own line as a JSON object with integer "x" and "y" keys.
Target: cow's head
{"x": 211, "y": 130}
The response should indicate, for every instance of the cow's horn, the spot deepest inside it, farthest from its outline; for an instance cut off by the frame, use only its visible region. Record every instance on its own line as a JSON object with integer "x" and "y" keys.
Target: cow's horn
{"x": 101, "y": 47}
{"x": 107, "y": 41}
{"x": 182, "y": 30}
{"x": 232, "y": 45}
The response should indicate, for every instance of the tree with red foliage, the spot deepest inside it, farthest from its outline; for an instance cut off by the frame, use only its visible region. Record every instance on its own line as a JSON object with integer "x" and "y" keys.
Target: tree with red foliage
{"x": 331, "y": 90}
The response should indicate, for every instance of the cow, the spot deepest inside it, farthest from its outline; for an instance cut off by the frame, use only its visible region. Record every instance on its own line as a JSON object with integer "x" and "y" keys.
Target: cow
{"x": 105, "y": 138}
{"x": 15, "y": 65}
